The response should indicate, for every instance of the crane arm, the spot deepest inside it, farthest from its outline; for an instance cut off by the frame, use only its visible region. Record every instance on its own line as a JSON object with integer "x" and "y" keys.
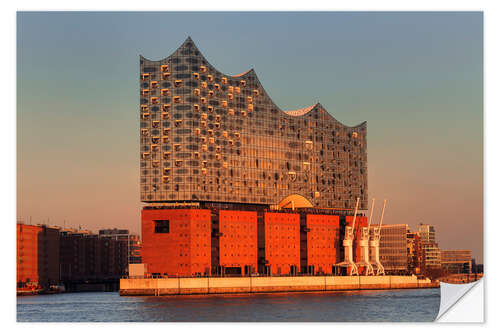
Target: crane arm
{"x": 382, "y": 215}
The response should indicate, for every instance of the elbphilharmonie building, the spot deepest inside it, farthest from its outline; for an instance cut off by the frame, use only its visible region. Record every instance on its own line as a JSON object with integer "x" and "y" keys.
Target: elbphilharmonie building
{"x": 232, "y": 184}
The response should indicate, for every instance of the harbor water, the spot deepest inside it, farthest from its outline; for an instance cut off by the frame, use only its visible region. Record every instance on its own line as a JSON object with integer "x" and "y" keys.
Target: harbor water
{"x": 401, "y": 305}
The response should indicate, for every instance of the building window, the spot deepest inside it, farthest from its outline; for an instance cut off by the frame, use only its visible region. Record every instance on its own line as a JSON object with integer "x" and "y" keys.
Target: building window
{"x": 162, "y": 226}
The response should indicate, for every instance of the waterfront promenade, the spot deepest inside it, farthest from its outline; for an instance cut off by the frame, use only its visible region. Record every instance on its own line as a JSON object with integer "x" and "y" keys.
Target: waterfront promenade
{"x": 230, "y": 285}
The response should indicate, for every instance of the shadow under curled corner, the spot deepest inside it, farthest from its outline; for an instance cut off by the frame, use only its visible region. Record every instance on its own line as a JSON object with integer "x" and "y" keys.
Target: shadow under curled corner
{"x": 462, "y": 303}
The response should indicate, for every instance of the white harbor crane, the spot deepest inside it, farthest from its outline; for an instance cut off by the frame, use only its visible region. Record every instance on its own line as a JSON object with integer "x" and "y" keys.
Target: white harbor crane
{"x": 363, "y": 244}
{"x": 348, "y": 239}
{"x": 375, "y": 244}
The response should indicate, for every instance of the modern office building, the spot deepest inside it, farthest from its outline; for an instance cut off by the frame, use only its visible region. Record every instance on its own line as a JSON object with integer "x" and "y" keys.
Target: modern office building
{"x": 457, "y": 261}
{"x": 427, "y": 233}
{"x": 431, "y": 249}
{"x": 231, "y": 183}
{"x": 432, "y": 254}
{"x": 393, "y": 249}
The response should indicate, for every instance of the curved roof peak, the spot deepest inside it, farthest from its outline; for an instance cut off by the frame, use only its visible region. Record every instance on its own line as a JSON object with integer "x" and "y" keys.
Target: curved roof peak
{"x": 301, "y": 112}
{"x": 188, "y": 47}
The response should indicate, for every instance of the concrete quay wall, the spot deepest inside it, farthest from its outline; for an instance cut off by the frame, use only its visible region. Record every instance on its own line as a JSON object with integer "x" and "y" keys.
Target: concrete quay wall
{"x": 231, "y": 285}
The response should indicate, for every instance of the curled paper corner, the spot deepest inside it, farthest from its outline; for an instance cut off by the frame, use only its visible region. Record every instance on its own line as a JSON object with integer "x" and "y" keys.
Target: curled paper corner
{"x": 461, "y": 302}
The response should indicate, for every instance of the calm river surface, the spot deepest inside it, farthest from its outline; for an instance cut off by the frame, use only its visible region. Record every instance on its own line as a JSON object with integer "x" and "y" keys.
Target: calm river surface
{"x": 386, "y": 305}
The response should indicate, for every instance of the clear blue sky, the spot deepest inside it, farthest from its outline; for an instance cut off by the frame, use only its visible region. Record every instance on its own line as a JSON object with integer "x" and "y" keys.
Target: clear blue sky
{"x": 416, "y": 78}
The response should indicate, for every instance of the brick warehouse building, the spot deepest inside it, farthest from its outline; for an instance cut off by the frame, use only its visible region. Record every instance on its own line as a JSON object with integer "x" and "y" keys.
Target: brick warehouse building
{"x": 234, "y": 185}
{"x": 37, "y": 256}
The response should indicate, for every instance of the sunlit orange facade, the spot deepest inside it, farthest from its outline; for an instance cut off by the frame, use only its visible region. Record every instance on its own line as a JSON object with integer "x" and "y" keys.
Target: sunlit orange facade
{"x": 238, "y": 239}
{"x": 182, "y": 247}
{"x": 37, "y": 255}
{"x": 282, "y": 239}
{"x": 323, "y": 242}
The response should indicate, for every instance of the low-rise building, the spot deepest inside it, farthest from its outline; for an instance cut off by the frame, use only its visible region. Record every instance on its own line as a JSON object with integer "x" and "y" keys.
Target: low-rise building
{"x": 432, "y": 254}
{"x": 456, "y": 261}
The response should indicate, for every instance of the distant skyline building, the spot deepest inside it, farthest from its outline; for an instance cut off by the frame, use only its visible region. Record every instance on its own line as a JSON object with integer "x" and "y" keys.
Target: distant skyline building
{"x": 427, "y": 233}
{"x": 432, "y": 252}
{"x": 457, "y": 261}
{"x": 416, "y": 256}
{"x": 210, "y": 137}
{"x": 133, "y": 242}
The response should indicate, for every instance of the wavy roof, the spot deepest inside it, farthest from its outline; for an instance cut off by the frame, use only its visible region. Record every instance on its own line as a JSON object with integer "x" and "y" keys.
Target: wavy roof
{"x": 251, "y": 74}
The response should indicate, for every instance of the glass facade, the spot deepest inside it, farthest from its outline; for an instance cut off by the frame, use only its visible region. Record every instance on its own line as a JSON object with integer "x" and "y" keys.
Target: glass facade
{"x": 207, "y": 136}
{"x": 393, "y": 252}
